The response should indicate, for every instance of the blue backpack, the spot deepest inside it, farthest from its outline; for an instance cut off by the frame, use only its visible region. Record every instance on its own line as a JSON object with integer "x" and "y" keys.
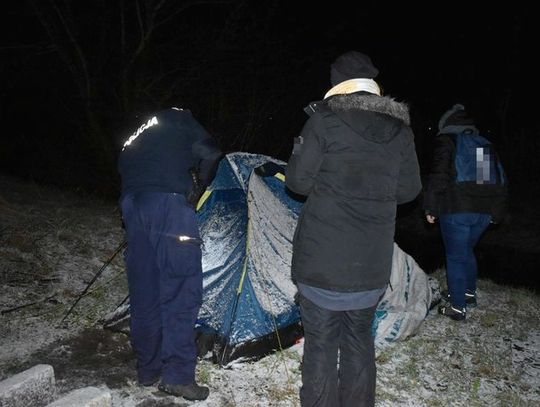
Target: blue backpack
{"x": 476, "y": 161}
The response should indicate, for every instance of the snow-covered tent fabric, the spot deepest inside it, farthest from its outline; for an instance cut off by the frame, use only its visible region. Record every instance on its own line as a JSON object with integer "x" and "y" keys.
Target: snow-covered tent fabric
{"x": 247, "y": 224}
{"x": 406, "y": 302}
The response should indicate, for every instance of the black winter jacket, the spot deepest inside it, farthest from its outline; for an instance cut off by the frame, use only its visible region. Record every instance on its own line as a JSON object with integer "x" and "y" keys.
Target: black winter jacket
{"x": 355, "y": 160}
{"x": 443, "y": 195}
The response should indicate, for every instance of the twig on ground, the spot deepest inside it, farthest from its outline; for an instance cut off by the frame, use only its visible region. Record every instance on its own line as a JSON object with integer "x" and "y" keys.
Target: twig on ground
{"x": 7, "y": 311}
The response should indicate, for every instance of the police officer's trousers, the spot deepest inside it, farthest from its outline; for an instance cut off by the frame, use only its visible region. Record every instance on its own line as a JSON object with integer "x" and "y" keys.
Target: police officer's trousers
{"x": 165, "y": 284}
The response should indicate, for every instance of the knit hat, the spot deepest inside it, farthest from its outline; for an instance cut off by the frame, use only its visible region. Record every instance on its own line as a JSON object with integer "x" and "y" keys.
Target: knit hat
{"x": 456, "y": 116}
{"x": 351, "y": 65}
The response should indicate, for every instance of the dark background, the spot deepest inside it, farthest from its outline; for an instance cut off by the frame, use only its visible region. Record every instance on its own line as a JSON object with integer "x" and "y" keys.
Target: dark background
{"x": 79, "y": 76}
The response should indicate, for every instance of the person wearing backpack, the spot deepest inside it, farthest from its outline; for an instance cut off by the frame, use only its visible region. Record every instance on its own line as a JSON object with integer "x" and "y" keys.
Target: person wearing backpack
{"x": 466, "y": 190}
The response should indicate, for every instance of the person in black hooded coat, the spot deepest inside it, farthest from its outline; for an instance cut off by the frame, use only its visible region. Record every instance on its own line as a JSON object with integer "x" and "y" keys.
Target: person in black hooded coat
{"x": 355, "y": 160}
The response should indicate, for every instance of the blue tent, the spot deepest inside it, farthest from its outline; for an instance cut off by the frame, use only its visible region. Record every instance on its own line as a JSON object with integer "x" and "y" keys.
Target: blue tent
{"x": 247, "y": 223}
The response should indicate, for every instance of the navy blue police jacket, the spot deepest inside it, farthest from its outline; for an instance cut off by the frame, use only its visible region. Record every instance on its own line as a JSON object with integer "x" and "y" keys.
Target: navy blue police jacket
{"x": 158, "y": 155}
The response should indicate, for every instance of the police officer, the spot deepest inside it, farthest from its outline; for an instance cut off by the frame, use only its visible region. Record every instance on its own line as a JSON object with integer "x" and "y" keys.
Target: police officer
{"x": 163, "y": 256}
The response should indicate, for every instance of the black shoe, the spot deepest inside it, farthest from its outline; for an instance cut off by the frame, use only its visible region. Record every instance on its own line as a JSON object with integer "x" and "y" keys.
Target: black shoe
{"x": 188, "y": 391}
{"x": 149, "y": 382}
{"x": 470, "y": 298}
{"x": 455, "y": 313}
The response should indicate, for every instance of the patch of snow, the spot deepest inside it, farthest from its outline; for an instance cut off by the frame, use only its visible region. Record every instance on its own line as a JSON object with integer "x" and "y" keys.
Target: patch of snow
{"x": 52, "y": 243}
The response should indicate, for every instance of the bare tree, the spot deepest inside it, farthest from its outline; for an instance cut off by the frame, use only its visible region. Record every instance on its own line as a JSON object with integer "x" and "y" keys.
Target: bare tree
{"x": 120, "y": 57}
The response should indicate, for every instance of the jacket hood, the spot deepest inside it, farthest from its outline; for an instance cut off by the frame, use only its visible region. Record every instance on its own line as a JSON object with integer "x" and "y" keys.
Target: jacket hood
{"x": 458, "y": 129}
{"x": 456, "y": 120}
{"x": 356, "y": 109}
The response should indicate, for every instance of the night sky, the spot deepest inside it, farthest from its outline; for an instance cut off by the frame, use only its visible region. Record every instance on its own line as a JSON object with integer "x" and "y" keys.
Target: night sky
{"x": 78, "y": 76}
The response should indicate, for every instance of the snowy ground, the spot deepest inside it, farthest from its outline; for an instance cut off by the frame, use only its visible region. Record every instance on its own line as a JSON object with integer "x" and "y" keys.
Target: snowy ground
{"x": 53, "y": 243}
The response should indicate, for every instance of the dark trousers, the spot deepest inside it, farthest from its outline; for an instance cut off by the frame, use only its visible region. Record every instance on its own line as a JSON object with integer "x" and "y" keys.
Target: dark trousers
{"x": 325, "y": 380}
{"x": 165, "y": 285}
{"x": 460, "y": 233}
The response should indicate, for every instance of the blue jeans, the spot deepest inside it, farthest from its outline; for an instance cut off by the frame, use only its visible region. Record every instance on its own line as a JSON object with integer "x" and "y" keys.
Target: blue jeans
{"x": 460, "y": 233}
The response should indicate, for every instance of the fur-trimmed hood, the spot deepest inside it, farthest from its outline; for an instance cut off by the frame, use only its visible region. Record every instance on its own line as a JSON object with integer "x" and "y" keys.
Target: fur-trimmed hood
{"x": 376, "y": 118}
{"x": 373, "y": 103}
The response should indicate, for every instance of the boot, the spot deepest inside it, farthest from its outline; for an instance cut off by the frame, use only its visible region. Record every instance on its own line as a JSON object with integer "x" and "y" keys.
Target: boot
{"x": 190, "y": 391}
{"x": 455, "y": 313}
{"x": 470, "y": 298}
{"x": 149, "y": 382}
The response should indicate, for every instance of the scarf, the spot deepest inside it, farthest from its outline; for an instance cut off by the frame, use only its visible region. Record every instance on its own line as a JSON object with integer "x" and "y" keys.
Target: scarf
{"x": 354, "y": 85}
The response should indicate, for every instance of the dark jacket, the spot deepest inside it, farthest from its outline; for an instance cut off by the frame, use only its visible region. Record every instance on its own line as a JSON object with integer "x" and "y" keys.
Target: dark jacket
{"x": 444, "y": 196}
{"x": 355, "y": 160}
{"x": 158, "y": 155}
